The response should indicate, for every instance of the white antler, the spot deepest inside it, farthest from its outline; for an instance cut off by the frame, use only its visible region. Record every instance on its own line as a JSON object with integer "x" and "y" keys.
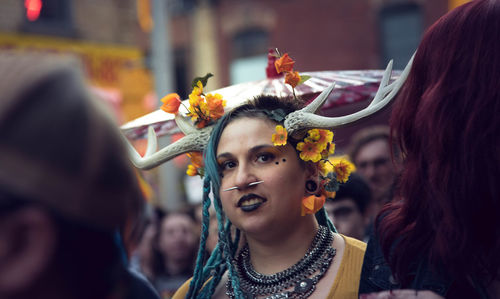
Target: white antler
{"x": 306, "y": 117}
{"x": 195, "y": 140}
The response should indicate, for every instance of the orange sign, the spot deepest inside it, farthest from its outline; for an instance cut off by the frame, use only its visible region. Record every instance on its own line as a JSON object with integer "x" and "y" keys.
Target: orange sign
{"x": 107, "y": 66}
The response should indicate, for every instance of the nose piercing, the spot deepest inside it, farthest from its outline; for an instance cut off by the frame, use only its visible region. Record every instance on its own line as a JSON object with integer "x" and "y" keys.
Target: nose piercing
{"x": 249, "y": 185}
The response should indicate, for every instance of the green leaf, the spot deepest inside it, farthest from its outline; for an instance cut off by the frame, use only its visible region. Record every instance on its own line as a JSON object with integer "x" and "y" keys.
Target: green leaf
{"x": 203, "y": 80}
{"x": 303, "y": 78}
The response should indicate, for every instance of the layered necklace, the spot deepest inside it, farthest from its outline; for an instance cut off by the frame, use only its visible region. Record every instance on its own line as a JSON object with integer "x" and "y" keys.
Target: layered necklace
{"x": 298, "y": 281}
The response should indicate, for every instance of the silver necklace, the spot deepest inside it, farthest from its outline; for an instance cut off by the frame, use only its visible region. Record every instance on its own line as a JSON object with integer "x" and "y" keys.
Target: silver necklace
{"x": 298, "y": 281}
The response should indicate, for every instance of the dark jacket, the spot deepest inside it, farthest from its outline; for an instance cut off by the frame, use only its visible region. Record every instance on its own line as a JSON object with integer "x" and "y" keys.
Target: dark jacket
{"x": 376, "y": 276}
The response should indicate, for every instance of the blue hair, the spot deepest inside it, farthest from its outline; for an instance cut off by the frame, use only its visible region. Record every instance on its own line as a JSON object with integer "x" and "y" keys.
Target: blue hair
{"x": 207, "y": 276}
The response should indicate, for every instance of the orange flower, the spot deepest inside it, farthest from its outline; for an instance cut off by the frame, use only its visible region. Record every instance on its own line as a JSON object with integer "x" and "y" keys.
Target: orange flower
{"x": 279, "y": 138}
{"x": 171, "y": 103}
{"x": 215, "y": 106}
{"x": 309, "y": 151}
{"x": 196, "y": 159}
{"x": 292, "y": 78}
{"x": 312, "y": 204}
{"x": 329, "y": 194}
{"x": 343, "y": 169}
{"x": 192, "y": 170}
{"x": 284, "y": 64}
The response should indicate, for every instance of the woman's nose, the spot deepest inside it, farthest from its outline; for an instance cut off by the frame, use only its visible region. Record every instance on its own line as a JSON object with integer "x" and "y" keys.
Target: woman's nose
{"x": 244, "y": 177}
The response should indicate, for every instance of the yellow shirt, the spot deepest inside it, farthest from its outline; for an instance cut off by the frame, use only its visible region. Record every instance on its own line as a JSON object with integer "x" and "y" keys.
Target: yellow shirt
{"x": 346, "y": 282}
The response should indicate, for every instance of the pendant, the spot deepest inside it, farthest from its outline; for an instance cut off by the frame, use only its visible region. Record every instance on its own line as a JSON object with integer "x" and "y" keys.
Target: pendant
{"x": 304, "y": 285}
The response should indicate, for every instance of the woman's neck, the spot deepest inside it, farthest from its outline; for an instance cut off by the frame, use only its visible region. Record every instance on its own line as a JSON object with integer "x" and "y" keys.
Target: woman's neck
{"x": 284, "y": 249}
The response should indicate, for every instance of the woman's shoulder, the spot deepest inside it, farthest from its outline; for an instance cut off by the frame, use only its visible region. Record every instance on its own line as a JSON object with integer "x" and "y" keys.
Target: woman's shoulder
{"x": 355, "y": 245}
{"x": 346, "y": 281}
{"x": 352, "y": 256}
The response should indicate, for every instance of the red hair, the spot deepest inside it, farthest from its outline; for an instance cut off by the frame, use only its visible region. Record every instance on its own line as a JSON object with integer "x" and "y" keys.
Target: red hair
{"x": 447, "y": 123}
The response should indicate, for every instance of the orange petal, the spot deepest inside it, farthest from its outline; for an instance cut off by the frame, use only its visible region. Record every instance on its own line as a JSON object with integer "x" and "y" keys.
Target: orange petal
{"x": 292, "y": 78}
{"x": 311, "y": 204}
{"x": 284, "y": 64}
{"x": 171, "y": 103}
{"x": 196, "y": 159}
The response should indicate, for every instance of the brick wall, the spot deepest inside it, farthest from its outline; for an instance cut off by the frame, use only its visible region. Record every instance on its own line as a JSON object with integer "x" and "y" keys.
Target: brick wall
{"x": 103, "y": 21}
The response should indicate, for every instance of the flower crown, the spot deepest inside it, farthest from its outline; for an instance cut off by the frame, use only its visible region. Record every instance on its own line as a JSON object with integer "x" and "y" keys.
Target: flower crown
{"x": 316, "y": 147}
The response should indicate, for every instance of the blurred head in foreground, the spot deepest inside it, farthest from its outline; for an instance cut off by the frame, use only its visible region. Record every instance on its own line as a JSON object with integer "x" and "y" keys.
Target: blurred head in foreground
{"x": 67, "y": 192}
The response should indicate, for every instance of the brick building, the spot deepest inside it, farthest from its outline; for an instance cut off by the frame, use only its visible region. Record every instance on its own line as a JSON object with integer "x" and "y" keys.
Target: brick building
{"x": 319, "y": 34}
{"x": 104, "y": 34}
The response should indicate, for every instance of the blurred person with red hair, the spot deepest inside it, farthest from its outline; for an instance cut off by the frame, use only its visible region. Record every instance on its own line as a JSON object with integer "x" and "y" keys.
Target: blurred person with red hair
{"x": 68, "y": 196}
{"x": 442, "y": 231}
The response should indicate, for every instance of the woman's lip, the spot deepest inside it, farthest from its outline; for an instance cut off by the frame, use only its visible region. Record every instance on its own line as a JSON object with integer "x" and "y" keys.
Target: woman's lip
{"x": 249, "y": 196}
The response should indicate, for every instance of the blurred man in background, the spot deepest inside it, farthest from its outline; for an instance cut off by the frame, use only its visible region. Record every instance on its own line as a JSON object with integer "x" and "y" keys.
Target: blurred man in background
{"x": 370, "y": 151}
{"x": 347, "y": 209}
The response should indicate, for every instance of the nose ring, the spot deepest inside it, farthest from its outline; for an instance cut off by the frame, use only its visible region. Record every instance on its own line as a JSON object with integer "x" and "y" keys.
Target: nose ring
{"x": 249, "y": 185}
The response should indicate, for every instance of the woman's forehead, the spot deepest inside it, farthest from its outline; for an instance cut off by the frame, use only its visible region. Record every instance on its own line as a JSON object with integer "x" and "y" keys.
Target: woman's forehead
{"x": 246, "y": 129}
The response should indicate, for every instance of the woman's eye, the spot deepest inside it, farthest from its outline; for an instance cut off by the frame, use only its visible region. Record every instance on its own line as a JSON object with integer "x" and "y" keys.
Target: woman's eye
{"x": 265, "y": 157}
{"x": 227, "y": 165}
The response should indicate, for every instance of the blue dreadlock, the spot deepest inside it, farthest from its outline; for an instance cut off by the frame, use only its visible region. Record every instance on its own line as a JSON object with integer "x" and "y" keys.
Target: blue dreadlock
{"x": 207, "y": 277}
{"x": 221, "y": 258}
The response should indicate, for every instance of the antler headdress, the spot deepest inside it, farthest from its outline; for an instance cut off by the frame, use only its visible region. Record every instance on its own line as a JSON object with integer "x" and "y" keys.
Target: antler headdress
{"x": 196, "y": 139}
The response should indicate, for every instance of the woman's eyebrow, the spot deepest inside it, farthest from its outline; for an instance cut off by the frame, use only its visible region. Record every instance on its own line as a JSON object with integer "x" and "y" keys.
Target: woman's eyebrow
{"x": 252, "y": 150}
{"x": 260, "y": 147}
{"x": 224, "y": 155}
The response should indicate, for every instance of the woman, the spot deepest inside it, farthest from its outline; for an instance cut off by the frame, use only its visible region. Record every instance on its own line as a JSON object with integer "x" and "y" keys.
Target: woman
{"x": 443, "y": 234}
{"x": 174, "y": 252}
{"x": 259, "y": 187}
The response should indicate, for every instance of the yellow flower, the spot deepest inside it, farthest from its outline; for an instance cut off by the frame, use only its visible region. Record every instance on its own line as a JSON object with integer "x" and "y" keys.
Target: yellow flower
{"x": 309, "y": 151}
{"x": 194, "y": 99}
{"x": 198, "y": 89}
{"x": 320, "y": 136}
{"x": 343, "y": 169}
{"x": 312, "y": 204}
{"x": 280, "y": 137}
{"x": 325, "y": 167}
{"x": 191, "y": 170}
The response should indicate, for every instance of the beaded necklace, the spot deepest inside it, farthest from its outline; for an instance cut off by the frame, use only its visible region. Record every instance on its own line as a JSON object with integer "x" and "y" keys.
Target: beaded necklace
{"x": 303, "y": 276}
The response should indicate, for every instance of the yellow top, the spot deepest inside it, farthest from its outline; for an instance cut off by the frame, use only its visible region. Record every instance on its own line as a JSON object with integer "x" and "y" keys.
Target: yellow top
{"x": 346, "y": 282}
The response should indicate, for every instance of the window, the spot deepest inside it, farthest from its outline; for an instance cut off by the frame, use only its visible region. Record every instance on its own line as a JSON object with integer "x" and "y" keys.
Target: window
{"x": 249, "y": 56}
{"x": 401, "y": 29}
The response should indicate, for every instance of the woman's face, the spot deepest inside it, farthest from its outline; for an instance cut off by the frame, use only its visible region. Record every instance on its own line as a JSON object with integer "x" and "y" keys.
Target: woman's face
{"x": 177, "y": 237}
{"x": 245, "y": 155}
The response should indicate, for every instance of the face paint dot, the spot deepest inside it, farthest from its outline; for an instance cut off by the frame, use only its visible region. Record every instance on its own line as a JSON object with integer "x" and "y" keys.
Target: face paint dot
{"x": 284, "y": 160}
{"x": 276, "y": 163}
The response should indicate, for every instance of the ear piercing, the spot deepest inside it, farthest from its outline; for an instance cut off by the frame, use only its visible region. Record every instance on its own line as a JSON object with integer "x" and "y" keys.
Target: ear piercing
{"x": 311, "y": 186}
{"x": 249, "y": 185}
